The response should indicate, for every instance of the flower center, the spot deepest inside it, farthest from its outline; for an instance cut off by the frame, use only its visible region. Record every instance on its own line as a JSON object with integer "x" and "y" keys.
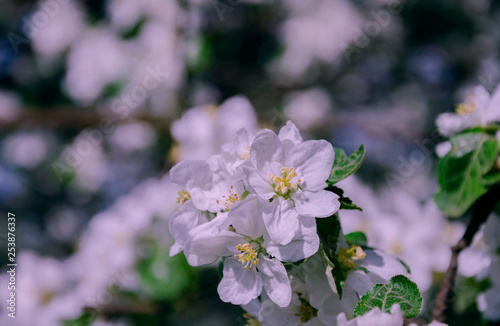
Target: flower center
{"x": 286, "y": 183}
{"x": 467, "y": 107}
{"x": 306, "y": 311}
{"x": 348, "y": 257}
{"x": 245, "y": 154}
{"x": 184, "y": 196}
{"x": 248, "y": 256}
{"x": 250, "y": 320}
{"x": 229, "y": 200}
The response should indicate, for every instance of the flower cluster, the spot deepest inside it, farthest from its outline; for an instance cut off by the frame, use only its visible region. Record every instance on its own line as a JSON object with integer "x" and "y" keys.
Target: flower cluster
{"x": 254, "y": 204}
{"x": 479, "y": 109}
{"x": 253, "y": 208}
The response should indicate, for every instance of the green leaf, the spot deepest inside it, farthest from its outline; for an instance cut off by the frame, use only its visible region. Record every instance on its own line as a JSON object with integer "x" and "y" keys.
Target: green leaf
{"x": 85, "y": 319}
{"x": 467, "y": 291}
{"x": 357, "y": 238}
{"x": 492, "y": 178}
{"x": 344, "y": 166}
{"x": 329, "y": 232}
{"x": 220, "y": 268}
{"x": 461, "y": 172}
{"x": 345, "y": 202}
{"x": 400, "y": 290}
{"x": 405, "y": 265}
{"x": 165, "y": 277}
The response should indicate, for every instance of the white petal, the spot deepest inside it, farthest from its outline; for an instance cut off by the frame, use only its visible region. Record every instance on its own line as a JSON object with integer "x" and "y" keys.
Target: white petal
{"x": 450, "y": 123}
{"x": 183, "y": 221}
{"x": 256, "y": 183}
{"x": 316, "y": 204}
{"x": 175, "y": 249}
{"x": 246, "y": 217}
{"x": 266, "y": 148}
{"x": 191, "y": 174}
{"x": 314, "y": 322}
{"x": 313, "y": 160}
{"x": 382, "y": 264}
{"x": 239, "y": 285}
{"x": 341, "y": 319}
{"x": 360, "y": 282}
{"x": 493, "y": 113}
{"x": 443, "y": 148}
{"x": 290, "y": 132}
{"x": 275, "y": 280}
{"x": 209, "y": 243}
{"x": 233, "y": 114}
{"x": 281, "y": 220}
{"x": 304, "y": 244}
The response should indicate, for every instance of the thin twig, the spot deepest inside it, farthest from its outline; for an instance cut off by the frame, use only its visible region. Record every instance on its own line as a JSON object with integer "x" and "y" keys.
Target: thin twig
{"x": 483, "y": 208}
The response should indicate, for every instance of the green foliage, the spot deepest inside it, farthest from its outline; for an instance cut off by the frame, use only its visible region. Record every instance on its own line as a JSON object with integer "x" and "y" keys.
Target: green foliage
{"x": 344, "y": 166}
{"x": 357, "y": 238}
{"x": 400, "y": 290}
{"x": 492, "y": 178}
{"x": 345, "y": 202}
{"x": 405, "y": 265}
{"x": 467, "y": 291}
{"x": 329, "y": 232}
{"x": 85, "y": 319}
{"x": 462, "y": 172}
{"x": 165, "y": 277}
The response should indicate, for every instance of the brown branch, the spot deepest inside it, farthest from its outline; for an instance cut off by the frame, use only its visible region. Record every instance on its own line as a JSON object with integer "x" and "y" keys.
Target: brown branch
{"x": 84, "y": 117}
{"x": 483, "y": 208}
{"x": 75, "y": 118}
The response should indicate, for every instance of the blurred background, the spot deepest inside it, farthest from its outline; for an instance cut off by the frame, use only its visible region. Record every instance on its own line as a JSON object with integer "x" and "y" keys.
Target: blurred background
{"x": 93, "y": 102}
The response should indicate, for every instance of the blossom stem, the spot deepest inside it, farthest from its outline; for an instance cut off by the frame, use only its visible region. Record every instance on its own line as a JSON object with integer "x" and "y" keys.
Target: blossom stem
{"x": 483, "y": 209}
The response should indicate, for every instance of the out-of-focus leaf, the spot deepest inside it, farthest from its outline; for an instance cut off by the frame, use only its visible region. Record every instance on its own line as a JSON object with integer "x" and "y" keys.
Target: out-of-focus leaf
{"x": 344, "y": 166}
{"x": 461, "y": 172}
{"x": 85, "y": 319}
{"x": 165, "y": 277}
{"x": 492, "y": 178}
{"x": 400, "y": 290}
{"x": 467, "y": 291}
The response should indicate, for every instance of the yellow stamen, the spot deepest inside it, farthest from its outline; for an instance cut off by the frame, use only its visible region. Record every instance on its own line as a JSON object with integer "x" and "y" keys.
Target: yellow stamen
{"x": 245, "y": 154}
{"x": 250, "y": 320}
{"x": 184, "y": 196}
{"x": 248, "y": 256}
{"x": 229, "y": 200}
{"x": 348, "y": 257}
{"x": 285, "y": 183}
{"x": 306, "y": 312}
{"x": 467, "y": 107}
{"x": 397, "y": 248}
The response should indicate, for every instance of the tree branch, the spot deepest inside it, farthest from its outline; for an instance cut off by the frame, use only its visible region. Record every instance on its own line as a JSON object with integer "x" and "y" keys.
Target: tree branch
{"x": 483, "y": 208}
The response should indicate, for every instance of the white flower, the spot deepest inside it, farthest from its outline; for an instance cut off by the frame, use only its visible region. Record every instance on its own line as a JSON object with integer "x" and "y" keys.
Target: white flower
{"x": 293, "y": 174}
{"x": 208, "y": 191}
{"x": 386, "y": 220}
{"x": 308, "y": 109}
{"x": 254, "y": 260}
{"x": 488, "y": 302}
{"x": 237, "y": 151}
{"x": 299, "y": 312}
{"x": 374, "y": 318}
{"x": 201, "y": 131}
{"x": 443, "y": 148}
{"x": 479, "y": 109}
